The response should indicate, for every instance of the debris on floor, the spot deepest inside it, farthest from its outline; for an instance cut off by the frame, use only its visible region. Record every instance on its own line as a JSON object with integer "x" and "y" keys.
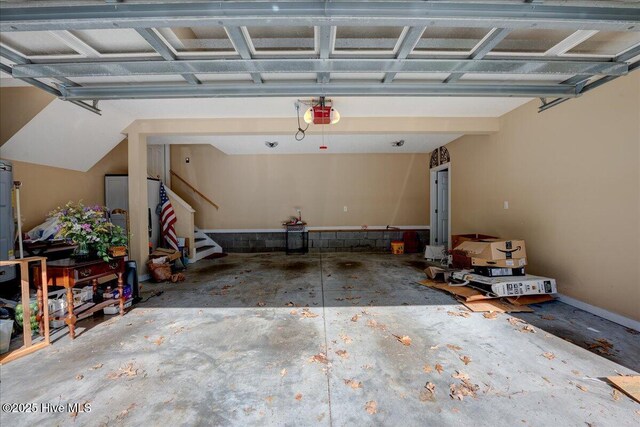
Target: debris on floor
{"x": 476, "y": 301}
{"x": 405, "y": 340}
{"x": 487, "y": 275}
{"x": 353, "y": 383}
{"x": 602, "y": 346}
{"x": 371, "y": 407}
{"x": 629, "y": 384}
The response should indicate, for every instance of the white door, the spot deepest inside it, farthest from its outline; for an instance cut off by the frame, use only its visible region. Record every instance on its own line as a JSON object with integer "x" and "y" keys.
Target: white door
{"x": 442, "y": 206}
{"x": 156, "y": 162}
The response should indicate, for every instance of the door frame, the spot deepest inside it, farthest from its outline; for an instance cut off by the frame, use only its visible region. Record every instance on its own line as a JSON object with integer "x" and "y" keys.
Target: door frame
{"x": 433, "y": 202}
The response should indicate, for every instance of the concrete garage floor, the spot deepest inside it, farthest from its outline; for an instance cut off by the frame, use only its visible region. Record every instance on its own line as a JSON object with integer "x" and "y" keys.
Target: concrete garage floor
{"x": 227, "y": 348}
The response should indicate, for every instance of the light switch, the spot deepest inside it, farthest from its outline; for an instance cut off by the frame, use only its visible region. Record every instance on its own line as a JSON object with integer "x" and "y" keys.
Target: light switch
{"x": 506, "y": 204}
{"x": 345, "y": 209}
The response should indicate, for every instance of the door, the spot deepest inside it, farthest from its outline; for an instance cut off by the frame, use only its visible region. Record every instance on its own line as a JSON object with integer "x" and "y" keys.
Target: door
{"x": 442, "y": 185}
{"x": 153, "y": 199}
{"x": 156, "y": 162}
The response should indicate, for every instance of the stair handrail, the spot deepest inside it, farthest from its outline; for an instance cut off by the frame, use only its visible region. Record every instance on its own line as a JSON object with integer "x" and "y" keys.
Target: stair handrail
{"x": 194, "y": 189}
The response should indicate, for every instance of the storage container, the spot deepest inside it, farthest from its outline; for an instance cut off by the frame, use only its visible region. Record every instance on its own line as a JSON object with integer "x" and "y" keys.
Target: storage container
{"x": 397, "y": 248}
{"x": 6, "y": 328}
{"x": 115, "y": 309}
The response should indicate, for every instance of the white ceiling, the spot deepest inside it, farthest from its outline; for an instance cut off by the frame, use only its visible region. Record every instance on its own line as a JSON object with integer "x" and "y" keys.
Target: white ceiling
{"x": 361, "y": 143}
{"x": 64, "y": 135}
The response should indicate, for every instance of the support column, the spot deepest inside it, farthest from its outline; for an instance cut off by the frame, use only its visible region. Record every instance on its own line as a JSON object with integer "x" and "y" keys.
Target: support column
{"x": 138, "y": 202}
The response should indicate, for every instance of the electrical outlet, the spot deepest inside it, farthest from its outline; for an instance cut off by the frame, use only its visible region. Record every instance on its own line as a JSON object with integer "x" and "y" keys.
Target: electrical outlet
{"x": 346, "y": 209}
{"x": 506, "y": 204}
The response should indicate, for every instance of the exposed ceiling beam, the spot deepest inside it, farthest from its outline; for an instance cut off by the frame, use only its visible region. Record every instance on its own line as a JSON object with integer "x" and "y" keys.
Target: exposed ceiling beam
{"x": 581, "y": 79}
{"x": 570, "y": 42}
{"x": 628, "y": 54}
{"x": 239, "y": 41}
{"x": 485, "y": 46}
{"x": 53, "y": 91}
{"x": 409, "y": 41}
{"x": 547, "y": 105}
{"x": 75, "y": 43}
{"x": 316, "y": 89}
{"x": 161, "y": 47}
{"x": 351, "y": 65}
{"x": 324, "y": 49}
{"x": 21, "y": 60}
{"x": 88, "y": 15}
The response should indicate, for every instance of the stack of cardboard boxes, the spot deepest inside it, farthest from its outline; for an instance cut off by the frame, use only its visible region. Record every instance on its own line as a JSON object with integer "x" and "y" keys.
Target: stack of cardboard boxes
{"x": 497, "y": 266}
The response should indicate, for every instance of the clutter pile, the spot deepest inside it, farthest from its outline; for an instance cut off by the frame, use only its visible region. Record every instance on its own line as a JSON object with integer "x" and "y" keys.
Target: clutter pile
{"x": 160, "y": 267}
{"x": 488, "y": 274}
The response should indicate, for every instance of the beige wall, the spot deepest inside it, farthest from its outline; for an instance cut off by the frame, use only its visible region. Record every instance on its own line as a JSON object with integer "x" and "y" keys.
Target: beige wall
{"x": 571, "y": 177}
{"x": 18, "y": 105}
{"x": 260, "y": 191}
{"x": 43, "y": 187}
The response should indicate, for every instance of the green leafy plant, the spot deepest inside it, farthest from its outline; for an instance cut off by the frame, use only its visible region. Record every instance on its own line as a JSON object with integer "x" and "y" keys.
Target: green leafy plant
{"x": 89, "y": 228}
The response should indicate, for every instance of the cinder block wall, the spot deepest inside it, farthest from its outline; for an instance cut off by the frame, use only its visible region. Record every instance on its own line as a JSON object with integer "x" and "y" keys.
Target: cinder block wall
{"x": 319, "y": 241}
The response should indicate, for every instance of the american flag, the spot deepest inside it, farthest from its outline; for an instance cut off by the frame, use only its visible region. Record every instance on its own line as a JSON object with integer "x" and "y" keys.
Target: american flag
{"x": 167, "y": 219}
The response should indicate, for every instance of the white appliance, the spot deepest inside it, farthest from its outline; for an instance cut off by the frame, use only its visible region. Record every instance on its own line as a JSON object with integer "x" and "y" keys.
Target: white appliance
{"x": 434, "y": 252}
{"x": 7, "y": 220}
{"x": 508, "y": 286}
{"x": 116, "y": 196}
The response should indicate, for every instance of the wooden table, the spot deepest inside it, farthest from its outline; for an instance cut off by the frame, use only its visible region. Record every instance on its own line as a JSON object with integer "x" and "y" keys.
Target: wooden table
{"x": 43, "y": 307}
{"x": 69, "y": 273}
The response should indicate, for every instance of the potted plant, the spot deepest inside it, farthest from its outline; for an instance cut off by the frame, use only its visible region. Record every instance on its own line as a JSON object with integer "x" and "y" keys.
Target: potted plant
{"x": 88, "y": 228}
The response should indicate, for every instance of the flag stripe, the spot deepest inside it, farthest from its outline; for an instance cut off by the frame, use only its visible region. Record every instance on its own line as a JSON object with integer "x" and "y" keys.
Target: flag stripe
{"x": 167, "y": 219}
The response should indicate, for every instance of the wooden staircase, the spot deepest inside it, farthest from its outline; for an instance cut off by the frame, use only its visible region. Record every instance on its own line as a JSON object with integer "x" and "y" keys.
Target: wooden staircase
{"x": 205, "y": 245}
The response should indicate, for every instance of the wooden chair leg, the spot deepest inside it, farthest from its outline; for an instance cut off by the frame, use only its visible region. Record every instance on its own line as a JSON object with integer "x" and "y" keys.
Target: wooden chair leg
{"x": 70, "y": 320}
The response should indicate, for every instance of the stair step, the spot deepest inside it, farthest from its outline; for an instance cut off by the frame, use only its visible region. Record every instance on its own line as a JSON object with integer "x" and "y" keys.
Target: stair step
{"x": 204, "y": 248}
{"x": 200, "y": 239}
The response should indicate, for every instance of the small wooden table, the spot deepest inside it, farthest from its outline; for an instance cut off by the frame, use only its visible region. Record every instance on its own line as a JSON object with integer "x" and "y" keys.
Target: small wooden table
{"x": 69, "y": 272}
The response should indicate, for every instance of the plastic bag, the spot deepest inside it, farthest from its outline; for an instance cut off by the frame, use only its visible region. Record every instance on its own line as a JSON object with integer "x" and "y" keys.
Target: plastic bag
{"x": 46, "y": 230}
{"x": 160, "y": 272}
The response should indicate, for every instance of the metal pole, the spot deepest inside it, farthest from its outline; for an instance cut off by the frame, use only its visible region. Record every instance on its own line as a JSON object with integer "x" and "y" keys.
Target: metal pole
{"x": 16, "y": 185}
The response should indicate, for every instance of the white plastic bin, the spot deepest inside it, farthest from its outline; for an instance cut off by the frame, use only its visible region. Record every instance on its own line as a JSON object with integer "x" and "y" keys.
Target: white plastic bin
{"x": 6, "y": 328}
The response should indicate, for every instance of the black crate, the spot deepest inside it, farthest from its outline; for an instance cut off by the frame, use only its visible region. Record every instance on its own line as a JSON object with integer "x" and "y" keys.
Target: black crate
{"x": 498, "y": 271}
{"x": 297, "y": 239}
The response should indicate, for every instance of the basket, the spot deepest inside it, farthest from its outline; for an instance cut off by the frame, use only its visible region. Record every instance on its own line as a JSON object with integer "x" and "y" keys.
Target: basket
{"x": 118, "y": 251}
{"x": 397, "y": 248}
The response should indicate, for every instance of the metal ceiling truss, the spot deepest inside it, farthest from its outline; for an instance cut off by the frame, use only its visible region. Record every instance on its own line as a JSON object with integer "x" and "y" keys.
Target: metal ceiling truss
{"x": 53, "y": 91}
{"x": 75, "y": 16}
{"x": 356, "y": 65}
{"x": 580, "y": 81}
{"x": 323, "y": 54}
{"x": 214, "y": 90}
{"x": 161, "y": 47}
{"x": 326, "y": 36}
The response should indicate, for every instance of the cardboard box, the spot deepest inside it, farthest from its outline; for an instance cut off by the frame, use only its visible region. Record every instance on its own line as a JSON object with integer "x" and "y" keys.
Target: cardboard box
{"x": 456, "y": 239}
{"x": 493, "y": 249}
{"x": 460, "y": 259}
{"x": 170, "y": 254}
{"x": 509, "y": 286}
{"x": 501, "y": 263}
